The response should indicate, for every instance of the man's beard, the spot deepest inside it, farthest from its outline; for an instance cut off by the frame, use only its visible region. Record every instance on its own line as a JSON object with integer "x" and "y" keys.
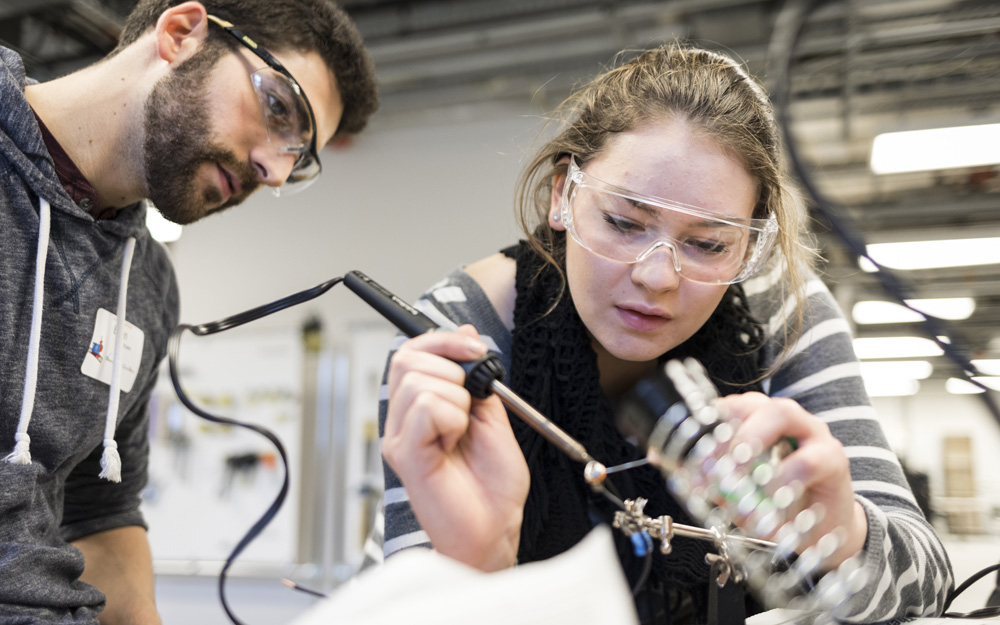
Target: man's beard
{"x": 178, "y": 143}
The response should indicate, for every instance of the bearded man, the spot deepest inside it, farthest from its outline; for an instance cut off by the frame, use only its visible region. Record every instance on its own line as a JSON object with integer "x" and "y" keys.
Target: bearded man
{"x": 200, "y": 104}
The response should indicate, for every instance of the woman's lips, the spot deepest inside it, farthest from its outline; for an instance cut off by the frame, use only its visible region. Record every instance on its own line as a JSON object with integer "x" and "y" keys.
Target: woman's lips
{"x": 641, "y": 321}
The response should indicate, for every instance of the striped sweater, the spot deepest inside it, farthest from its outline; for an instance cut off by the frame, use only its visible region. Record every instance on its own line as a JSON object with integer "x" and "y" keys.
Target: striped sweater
{"x": 909, "y": 571}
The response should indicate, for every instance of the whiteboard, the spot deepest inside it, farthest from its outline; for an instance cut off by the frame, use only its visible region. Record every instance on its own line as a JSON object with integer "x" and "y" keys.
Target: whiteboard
{"x": 210, "y": 483}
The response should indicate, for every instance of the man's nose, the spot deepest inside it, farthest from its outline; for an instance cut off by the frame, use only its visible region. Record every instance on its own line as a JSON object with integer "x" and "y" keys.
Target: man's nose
{"x": 273, "y": 166}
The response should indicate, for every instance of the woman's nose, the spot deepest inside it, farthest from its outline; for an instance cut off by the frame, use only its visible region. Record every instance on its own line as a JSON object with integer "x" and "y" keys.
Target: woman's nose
{"x": 658, "y": 268}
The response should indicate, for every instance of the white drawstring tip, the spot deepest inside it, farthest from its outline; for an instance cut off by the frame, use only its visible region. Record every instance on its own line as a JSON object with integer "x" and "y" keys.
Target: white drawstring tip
{"x": 22, "y": 450}
{"x": 111, "y": 462}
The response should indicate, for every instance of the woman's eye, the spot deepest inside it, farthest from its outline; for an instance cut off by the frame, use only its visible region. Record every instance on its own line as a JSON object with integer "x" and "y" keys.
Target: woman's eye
{"x": 708, "y": 247}
{"x": 621, "y": 224}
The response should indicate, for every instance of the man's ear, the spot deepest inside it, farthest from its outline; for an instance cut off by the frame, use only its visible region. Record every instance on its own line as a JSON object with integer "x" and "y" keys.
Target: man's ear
{"x": 180, "y": 31}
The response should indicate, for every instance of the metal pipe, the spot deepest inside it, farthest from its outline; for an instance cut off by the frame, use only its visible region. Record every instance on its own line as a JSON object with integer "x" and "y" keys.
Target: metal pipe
{"x": 691, "y": 531}
{"x": 541, "y": 424}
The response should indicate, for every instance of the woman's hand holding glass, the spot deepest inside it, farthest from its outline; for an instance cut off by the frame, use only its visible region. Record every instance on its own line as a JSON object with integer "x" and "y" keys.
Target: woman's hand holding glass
{"x": 457, "y": 456}
{"x": 818, "y": 465}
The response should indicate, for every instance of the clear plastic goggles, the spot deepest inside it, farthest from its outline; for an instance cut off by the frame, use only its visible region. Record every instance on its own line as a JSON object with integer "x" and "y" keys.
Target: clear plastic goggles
{"x": 289, "y": 122}
{"x": 627, "y": 227}
{"x": 288, "y": 116}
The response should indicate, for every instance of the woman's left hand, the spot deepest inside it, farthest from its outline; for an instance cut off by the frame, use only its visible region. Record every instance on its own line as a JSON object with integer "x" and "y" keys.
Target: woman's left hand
{"x": 818, "y": 463}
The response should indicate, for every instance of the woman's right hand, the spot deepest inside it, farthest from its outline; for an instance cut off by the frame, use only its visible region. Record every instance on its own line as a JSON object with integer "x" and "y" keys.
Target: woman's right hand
{"x": 456, "y": 456}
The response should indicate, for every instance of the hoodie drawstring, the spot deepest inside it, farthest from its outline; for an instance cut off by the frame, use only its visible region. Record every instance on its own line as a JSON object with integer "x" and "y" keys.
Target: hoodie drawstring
{"x": 22, "y": 451}
{"x": 110, "y": 460}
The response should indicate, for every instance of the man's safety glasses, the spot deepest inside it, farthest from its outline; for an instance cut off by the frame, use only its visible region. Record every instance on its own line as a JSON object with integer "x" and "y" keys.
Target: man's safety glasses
{"x": 628, "y": 227}
{"x": 288, "y": 116}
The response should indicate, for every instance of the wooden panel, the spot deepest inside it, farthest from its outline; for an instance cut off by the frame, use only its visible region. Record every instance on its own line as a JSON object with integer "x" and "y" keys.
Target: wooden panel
{"x": 959, "y": 482}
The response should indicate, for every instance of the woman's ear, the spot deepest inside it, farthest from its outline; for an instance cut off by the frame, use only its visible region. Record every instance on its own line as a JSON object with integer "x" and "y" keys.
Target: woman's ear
{"x": 555, "y": 202}
{"x": 180, "y": 31}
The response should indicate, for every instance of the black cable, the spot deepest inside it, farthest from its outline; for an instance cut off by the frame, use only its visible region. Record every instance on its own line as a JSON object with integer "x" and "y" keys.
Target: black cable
{"x": 986, "y": 612}
{"x": 787, "y": 30}
{"x": 975, "y": 577}
{"x": 173, "y": 355}
{"x": 262, "y": 311}
{"x": 610, "y": 493}
{"x": 647, "y": 563}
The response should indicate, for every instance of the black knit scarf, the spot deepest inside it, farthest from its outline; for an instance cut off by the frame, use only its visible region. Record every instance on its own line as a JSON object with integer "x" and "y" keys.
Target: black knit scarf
{"x": 554, "y": 367}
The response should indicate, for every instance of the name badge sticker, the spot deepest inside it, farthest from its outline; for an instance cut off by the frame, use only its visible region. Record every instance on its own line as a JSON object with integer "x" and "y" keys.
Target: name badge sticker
{"x": 99, "y": 361}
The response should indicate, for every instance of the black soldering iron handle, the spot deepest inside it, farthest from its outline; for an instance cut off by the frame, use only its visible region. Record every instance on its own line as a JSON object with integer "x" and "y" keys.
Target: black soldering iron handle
{"x": 479, "y": 374}
{"x": 408, "y": 319}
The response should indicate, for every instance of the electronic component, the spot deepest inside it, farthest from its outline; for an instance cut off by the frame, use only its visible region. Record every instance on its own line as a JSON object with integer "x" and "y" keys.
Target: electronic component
{"x": 675, "y": 419}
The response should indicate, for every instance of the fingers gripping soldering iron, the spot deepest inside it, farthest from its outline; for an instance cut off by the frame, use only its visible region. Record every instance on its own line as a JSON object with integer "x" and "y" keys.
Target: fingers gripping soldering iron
{"x": 483, "y": 377}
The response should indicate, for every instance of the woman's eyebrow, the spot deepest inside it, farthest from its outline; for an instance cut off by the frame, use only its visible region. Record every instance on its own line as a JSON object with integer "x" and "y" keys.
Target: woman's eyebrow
{"x": 653, "y": 209}
{"x": 643, "y": 206}
{"x": 707, "y": 222}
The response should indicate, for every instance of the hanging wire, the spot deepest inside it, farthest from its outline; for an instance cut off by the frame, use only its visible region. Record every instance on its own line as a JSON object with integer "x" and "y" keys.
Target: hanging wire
{"x": 787, "y": 31}
{"x": 980, "y": 613}
{"x": 173, "y": 354}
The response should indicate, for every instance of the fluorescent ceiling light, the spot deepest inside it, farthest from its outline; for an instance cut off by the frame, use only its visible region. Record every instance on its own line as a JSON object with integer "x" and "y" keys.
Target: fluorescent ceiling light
{"x": 954, "y": 308}
{"x": 896, "y": 369}
{"x": 895, "y": 347}
{"x": 160, "y": 228}
{"x": 891, "y": 387}
{"x": 989, "y": 367}
{"x": 929, "y": 254}
{"x": 936, "y": 148}
{"x": 894, "y": 378}
{"x": 955, "y": 386}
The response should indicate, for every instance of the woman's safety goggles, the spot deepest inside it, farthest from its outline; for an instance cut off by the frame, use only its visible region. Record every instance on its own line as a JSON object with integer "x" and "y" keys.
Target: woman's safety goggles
{"x": 627, "y": 227}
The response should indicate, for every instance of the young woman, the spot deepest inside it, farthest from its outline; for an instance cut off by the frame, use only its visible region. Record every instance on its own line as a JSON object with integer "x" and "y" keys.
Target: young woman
{"x": 645, "y": 216}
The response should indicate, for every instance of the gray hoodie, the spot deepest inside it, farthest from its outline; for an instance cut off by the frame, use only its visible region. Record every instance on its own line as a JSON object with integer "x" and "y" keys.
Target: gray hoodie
{"x": 64, "y": 368}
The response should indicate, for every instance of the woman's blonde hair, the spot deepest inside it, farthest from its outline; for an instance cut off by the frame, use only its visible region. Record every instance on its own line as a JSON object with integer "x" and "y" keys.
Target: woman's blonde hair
{"x": 707, "y": 90}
